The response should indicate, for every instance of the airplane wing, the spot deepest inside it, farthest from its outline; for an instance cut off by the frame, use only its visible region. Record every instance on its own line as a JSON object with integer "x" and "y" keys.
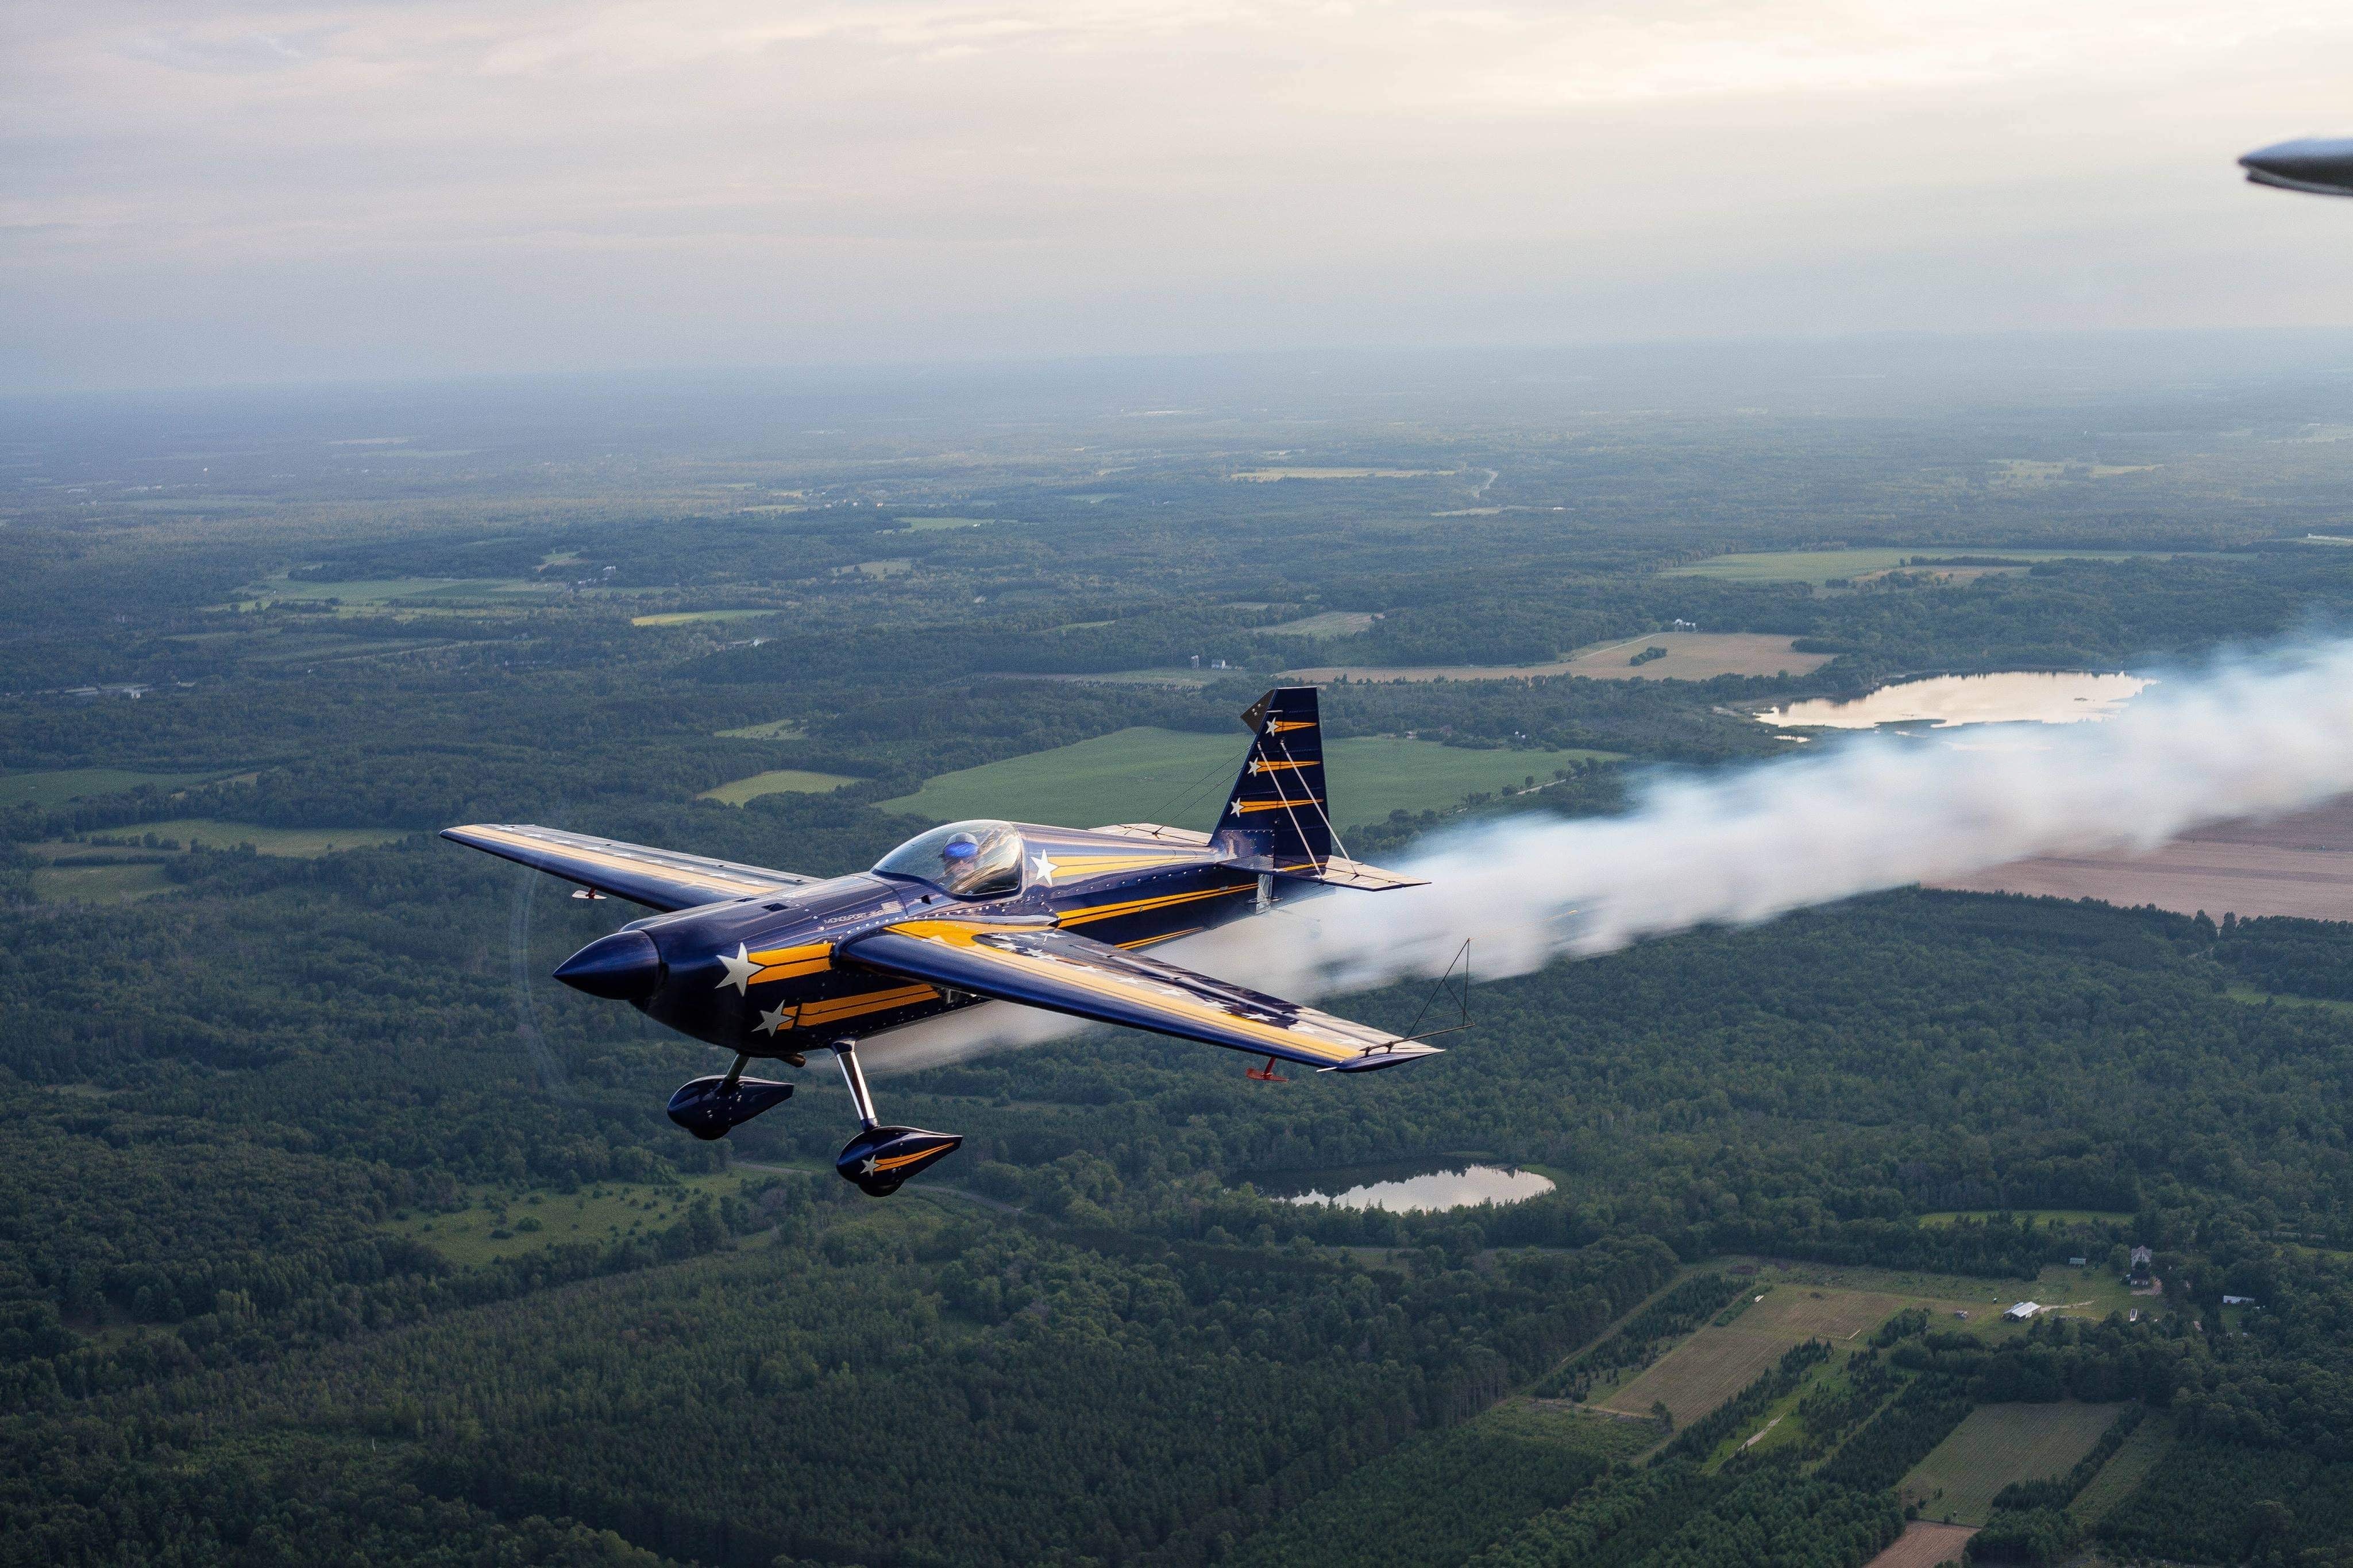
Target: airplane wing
{"x": 1038, "y": 965}
{"x": 657, "y": 878}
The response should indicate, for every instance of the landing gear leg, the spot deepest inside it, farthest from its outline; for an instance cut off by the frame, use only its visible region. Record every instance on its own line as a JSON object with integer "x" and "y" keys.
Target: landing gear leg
{"x": 880, "y": 1158}
{"x": 713, "y": 1107}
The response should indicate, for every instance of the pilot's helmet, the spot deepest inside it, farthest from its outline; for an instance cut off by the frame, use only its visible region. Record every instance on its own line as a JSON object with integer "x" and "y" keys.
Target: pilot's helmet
{"x": 960, "y": 846}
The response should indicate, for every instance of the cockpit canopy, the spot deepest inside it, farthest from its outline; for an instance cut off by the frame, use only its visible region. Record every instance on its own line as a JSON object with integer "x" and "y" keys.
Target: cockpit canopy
{"x": 970, "y": 859}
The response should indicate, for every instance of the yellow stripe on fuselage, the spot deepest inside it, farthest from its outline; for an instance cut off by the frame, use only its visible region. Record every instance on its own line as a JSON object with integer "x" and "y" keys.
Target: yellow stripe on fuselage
{"x": 814, "y": 1014}
{"x": 792, "y": 962}
{"x": 1093, "y": 912}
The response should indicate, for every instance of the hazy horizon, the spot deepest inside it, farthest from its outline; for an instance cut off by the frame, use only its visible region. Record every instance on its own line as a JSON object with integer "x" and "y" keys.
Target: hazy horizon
{"x": 280, "y": 191}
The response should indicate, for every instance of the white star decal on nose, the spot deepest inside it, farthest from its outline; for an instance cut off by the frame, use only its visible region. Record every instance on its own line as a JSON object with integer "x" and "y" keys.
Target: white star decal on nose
{"x": 1041, "y": 868}
{"x": 771, "y": 1022}
{"x": 868, "y": 1168}
{"x": 739, "y": 971}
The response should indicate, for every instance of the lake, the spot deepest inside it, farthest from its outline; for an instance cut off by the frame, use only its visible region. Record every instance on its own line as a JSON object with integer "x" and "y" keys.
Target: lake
{"x": 1423, "y": 1185}
{"x": 1943, "y": 701}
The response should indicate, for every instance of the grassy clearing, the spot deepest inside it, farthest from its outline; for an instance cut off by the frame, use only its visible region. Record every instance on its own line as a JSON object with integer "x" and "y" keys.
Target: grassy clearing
{"x": 1924, "y": 1545}
{"x": 776, "y": 781}
{"x": 1162, "y": 776}
{"x": 56, "y": 786}
{"x": 1996, "y": 1445}
{"x": 2249, "y": 995}
{"x": 1715, "y": 1363}
{"x": 2123, "y": 1474}
{"x": 1694, "y": 656}
{"x": 1439, "y": 1497}
{"x": 1691, "y": 656}
{"x": 1270, "y": 475}
{"x": 684, "y": 617}
{"x": 1330, "y": 624}
{"x": 1818, "y": 566}
{"x": 931, "y": 524}
{"x": 111, "y": 884}
{"x": 601, "y": 1213}
{"x": 774, "y": 729}
{"x": 375, "y": 592}
{"x": 301, "y": 843}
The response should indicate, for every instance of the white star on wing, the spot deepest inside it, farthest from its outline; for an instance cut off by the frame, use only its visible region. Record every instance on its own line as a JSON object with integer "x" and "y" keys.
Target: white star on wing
{"x": 739, "y": 971}
{"x": 1041, "y": 868}
{"x": 771, "y": 1022}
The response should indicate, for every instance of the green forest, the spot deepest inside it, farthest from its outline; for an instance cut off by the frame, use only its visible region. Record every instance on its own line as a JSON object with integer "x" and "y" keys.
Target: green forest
{"x": 333, "y": 1230}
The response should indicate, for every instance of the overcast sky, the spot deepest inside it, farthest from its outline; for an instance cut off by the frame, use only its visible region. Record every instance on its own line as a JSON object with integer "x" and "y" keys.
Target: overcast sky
{"x": 198, "y": 192}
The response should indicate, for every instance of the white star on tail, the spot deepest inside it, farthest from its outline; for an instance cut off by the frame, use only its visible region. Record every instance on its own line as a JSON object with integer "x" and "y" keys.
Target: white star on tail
{"x": 771, "y": 1022}
{"x": 739, "y": 971}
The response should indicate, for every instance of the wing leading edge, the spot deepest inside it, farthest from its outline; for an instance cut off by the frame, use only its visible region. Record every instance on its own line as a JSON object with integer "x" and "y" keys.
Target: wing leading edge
{"x": 1038, "y": 965}
{"x": 657, "y": 878}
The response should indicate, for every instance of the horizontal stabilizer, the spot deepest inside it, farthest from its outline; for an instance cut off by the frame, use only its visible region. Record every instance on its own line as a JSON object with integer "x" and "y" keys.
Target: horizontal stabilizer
{"x": 1334, "y": 871}
{"x": 657, "y": 878}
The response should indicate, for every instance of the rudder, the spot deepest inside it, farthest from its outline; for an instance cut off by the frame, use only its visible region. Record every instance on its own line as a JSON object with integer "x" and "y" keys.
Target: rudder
{"x": 1278, "y": 807}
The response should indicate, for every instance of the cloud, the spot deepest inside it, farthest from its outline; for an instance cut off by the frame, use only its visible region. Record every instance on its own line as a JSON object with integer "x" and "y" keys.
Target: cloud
{"x": 715, "y": 179}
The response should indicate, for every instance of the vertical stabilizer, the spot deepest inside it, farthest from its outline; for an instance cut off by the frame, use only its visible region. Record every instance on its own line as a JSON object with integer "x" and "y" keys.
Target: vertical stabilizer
{"x": 1278, "y": 808}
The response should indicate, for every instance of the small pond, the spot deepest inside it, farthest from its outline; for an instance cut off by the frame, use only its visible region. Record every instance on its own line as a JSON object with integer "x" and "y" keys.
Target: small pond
{"x": 1942, "y": 702}
{"x": 1424, "y": 1184}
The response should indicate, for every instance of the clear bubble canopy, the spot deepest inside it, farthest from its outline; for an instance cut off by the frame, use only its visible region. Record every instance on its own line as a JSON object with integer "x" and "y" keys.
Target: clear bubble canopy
{"x": 970, "y": 859}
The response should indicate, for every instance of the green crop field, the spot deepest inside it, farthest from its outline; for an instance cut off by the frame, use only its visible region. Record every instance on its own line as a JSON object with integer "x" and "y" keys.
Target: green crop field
{"x": 1162, "y": 776}
{"x": 607, "y": 1211}
{"x": 776, "y": 781}
{"x": 1820, "y": 565}
{"x": 774, "y": 729}
{"x": 1999, "y": 1443}
{"x": 684, "y": 617}
{"x": 59, "y": 785}
{"x": 2126, "y": 1470}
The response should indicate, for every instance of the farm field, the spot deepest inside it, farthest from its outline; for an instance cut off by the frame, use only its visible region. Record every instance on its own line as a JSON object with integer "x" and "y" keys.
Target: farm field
{"x": 2058, "y": 1285}
{"x": 1162, "y": 776}
{"x": 1695, "y": 655}
{"x": 300, "y": 842}
{"x": 776, "y": 781}
{"x": 1269, "y": 476}
{"x": 774, "y": 729}
{"x": 1715, "y": 1363}
{"x": 599, "y": 1213}
{"x": 1818, "y": 566}
{"x": 56, "y": 786}
{"x": 2124, "y": 1471}
{"x": 686, "y": 617}
{"x": 1330, "y": 624}
{"x": 1999, "y": 1443}
{"x": 1924, "y": 1545}
{"x": 1691, "y": 656}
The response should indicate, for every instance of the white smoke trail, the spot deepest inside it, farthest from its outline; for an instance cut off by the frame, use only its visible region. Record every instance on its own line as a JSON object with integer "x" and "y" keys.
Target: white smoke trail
{"x": 2246, "y": 737}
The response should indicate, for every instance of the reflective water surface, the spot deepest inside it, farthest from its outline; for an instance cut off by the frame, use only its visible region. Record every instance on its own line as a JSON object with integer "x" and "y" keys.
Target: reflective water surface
{"x": 1420, "y": 1185}
{"x": 1942, "y": 702}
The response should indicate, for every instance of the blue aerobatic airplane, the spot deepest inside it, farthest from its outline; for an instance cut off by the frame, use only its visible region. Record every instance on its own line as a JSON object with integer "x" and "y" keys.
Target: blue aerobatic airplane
{"x": 769, "y": 964}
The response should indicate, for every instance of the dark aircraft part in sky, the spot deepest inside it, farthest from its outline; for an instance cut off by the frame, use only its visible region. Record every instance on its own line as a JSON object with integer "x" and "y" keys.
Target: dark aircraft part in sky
{"x": 711, "y": 1107}
{"x": 2322, "y": 166}
{"x": 623, "y": 967}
